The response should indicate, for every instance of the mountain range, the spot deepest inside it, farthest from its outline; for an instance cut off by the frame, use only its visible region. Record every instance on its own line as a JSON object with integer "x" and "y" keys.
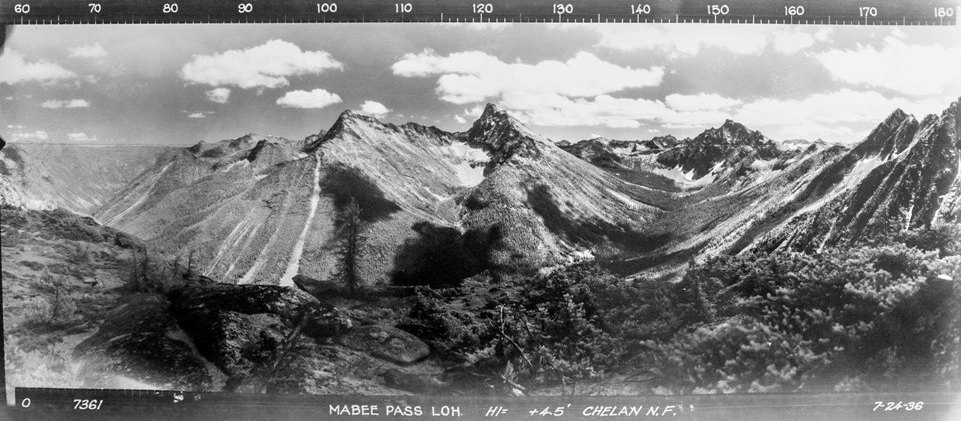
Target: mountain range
{"x": 439, "y": 206}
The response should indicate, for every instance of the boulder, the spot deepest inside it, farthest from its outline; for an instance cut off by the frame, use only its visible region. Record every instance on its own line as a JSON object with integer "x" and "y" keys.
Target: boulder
{"x": 139, "y": 340}
{"x": 386, "y": 342}
{"x": 238, "y": 327}
{"x": 317, "y": 288}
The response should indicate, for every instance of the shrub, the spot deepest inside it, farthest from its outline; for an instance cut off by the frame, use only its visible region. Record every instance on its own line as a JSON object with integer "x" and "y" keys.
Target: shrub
{"x": 876, "y": 317}
{"x": 57, "y": 308}
{"x": 788, "y": 321}
{"x": 559, "y": 327}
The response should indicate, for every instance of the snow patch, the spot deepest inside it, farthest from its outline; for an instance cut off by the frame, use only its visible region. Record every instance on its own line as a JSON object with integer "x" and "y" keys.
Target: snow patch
{"x": 686, "y": 179}
{"x": 232, "y": 165}
{"x": 468, "y": 162}
{"x": 293, "y": 266}
{"x": 624, "y": 198}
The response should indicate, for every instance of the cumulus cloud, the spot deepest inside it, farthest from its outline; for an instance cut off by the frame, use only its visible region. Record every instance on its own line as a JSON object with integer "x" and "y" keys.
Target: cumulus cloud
{"x": 317, "y": 98}
{"x": 830, "y": 115}
{"x": 15, "y": 69}
{"x": 688, "y": 40}
{"x": 604, "y": 110}
{"x": 474, "y": 76}
{"x": 373, "y": 108}
{"x": 65, "y": 103}
{"x": 30, "y": 136}
{"x": 88, "y": 51}
{"x": 469, "y": 114}
{"x": 699, "y": 102}
{"x": 219, "y": 95}
{"x": 841, "y": 106}
{"x": 264, "y": 66}
{"x": 80, "y": 137}
{"x": 906, "y": 68}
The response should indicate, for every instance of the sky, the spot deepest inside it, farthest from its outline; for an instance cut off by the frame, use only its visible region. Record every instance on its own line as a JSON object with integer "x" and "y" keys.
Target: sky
{"x": 179, "y": 84}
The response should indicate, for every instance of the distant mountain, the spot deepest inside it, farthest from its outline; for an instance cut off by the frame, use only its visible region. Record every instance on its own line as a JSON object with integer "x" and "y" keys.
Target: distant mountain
{"x": 660, "y": 142}
{"x": 726, "y": 146}
{"x": 597, "y": 151}
{"x": 608, "y": 152}
{"x": 797, "y": 144}
{"x": 79, "y": 178}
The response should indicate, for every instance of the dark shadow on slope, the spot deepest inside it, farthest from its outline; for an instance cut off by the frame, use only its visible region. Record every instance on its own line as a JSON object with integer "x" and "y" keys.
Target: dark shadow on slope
{"x": 344, "y": 183}
{"x": 635, "y": 265}
{"x": 12, "y": 154}
{"x": 591, "y": 232}
{"x": 645, "y": 178}
{"x": 443, "y": 256}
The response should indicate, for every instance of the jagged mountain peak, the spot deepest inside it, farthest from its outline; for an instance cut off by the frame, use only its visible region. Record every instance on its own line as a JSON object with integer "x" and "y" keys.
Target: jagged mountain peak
{"x": 347, "y": 122}
{"x": 734, "y": 133}
{"x": 503, "y": 135}
{"x": 892, "y": 136}
{"x": 730, "y": 145}
{"x": 896, "y": 117}
{"x": 496, "y": 116}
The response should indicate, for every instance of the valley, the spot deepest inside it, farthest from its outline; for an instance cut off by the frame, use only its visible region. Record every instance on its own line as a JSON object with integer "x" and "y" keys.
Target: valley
{"x": 488, "y": 261}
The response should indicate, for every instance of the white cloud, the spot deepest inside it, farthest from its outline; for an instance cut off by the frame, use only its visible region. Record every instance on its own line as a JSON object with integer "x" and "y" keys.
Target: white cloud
{"x": 80, "y": 137}
{"x": 373, "y": 108}
{"x": 317, "y": 98}
{"x": 219, "y": 95}
{"x": 15, "y": 69}
{"x": 264, "y": 66}
{"x": 65, "y": 103}
{"x": 842, "y": 106}
{"x": 30, "y": 136}
{"x": 699, "y": 102}
{"x": 833, "y": 115}
{"x": 197, "y": 115}
{"x": 906, "y": 68}
{"x": 688, "y": 40}
{"x": 469, "y": 114}
{"x": 88, "y": 51}
{"x": 604, "y": 110}
{"x": 473, "y": 76}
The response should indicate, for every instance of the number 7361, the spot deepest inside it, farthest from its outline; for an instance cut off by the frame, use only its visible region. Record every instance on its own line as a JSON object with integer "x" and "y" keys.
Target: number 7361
{"x": 91, "y": 404}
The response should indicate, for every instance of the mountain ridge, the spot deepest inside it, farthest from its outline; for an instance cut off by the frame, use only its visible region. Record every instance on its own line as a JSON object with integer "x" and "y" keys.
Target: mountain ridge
{"x": 504, "y": 198}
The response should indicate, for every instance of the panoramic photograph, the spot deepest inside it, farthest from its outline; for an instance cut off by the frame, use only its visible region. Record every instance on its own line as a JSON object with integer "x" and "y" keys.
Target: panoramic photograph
{"x": 484, "y": 210}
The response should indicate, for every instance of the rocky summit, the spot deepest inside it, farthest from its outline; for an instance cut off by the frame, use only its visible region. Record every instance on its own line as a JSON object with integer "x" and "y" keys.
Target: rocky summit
{"x": 727, "y": 146}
